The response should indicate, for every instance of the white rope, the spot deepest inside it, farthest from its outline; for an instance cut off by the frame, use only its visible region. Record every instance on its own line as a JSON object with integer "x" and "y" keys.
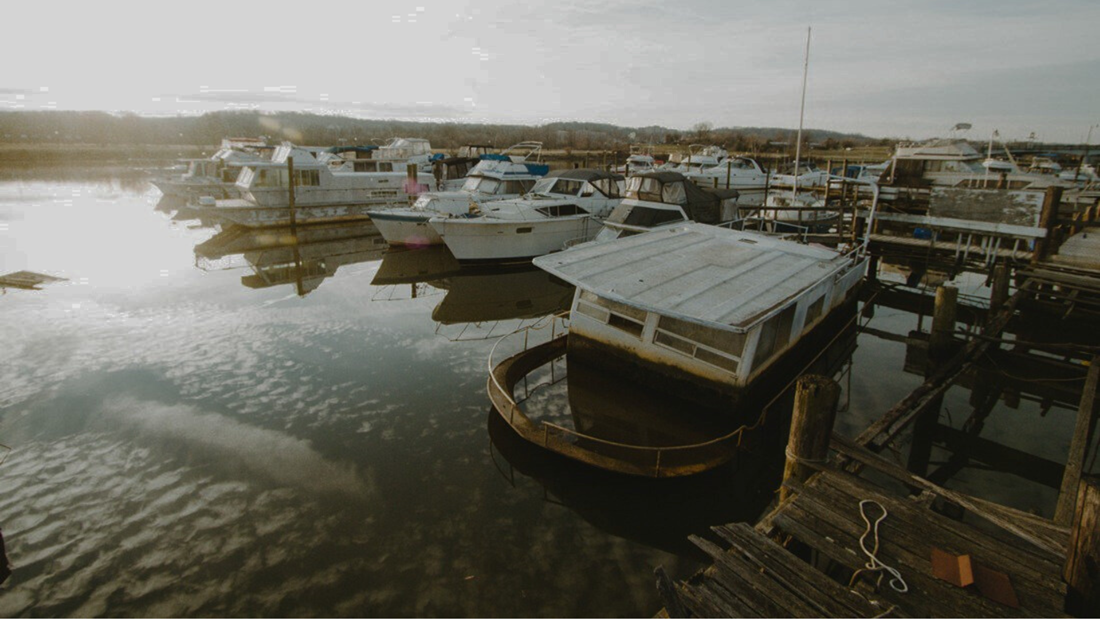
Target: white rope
{"x": 897, "y": 583}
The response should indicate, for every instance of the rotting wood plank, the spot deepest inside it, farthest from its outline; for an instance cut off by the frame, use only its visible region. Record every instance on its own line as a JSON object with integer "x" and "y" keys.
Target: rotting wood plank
{"x": 907, "y": 547}
{"x": 897, "y": 548}
{"x": 833, "y": 543}
{"x": 853, "y": 451}
{"x": 754, "y": 586}
{"x": 883, "y": 430}
{"x": 701, "y": 605}
{"x": 794, "y": 574}
{"x": 1033, "y": 574}
{"x": 1078, "y": 447}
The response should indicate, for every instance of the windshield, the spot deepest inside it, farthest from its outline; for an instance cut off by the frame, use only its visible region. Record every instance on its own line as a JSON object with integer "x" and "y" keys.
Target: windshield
{"x": 558, "y": 185}
{"x": 481, "y": 184}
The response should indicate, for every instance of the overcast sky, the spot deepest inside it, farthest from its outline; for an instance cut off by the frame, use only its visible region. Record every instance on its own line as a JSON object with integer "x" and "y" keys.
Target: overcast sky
{"x": 888, "y": 69}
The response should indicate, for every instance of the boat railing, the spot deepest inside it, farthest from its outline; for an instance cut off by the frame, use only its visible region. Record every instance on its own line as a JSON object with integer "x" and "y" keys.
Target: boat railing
{"x": 644, "y": 460}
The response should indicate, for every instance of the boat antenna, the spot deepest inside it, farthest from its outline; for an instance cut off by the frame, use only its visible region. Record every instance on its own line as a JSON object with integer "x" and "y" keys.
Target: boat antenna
{"x": 801, "y": 113}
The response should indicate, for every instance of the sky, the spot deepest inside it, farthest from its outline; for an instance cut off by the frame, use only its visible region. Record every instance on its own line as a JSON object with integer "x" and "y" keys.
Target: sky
{"x": 881, "y": 68}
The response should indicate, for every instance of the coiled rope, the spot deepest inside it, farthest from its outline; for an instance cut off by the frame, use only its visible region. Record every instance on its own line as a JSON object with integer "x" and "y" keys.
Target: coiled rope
{"x": 897, "y": 583}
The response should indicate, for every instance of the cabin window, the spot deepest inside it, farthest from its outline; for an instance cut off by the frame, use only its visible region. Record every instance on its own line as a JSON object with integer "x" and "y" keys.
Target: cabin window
{"x": 567, "y": 187}
{"x": 308, "y": 178}
{"x": 365, "y": 166}
{"x": 561, "y": 210}
{"x": 607, "y": 187}
{"x": 933, "y": 166}
{"x": 813, "y": 312}
{"x": 385, "y": 166}
{"x": 268, "y": 178}
{"x": 622, "y": 317}
{"x": 643, "y": 188}
{"x": 716, "y": 347}
{"x": 673, "y": 193}
{"x": 647, "y": 217}
{"x": 517, "y": 187}
{"x": 774, "y": 336}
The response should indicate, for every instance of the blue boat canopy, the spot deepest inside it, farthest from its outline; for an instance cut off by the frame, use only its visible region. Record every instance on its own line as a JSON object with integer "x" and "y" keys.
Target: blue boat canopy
{"x": 336, "y": 150}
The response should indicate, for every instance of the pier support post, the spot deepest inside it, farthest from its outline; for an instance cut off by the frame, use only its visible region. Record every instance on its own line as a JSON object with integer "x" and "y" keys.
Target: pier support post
{"x": 815, "y": 402}
{"x": 412, "y": 184}
{"x": 943, "y": 323}
{"x": 1048, "y": 219}
{"x": 1082, "y": 571}
{"x": 1078, "y": 446}
{"x": 999, "y": 292}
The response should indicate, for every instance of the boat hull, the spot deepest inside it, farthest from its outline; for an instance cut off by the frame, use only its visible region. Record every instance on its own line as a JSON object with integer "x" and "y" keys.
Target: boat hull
{"x": 407, "y": 228}
{"x": 483, "y": 240}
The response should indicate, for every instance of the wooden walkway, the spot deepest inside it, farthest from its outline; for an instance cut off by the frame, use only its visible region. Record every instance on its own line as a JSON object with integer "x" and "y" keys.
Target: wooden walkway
{"x": 758, "y": 577}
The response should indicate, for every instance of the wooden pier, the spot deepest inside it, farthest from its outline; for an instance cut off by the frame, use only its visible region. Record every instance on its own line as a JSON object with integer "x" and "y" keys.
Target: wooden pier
{"x": 934, "y": 551}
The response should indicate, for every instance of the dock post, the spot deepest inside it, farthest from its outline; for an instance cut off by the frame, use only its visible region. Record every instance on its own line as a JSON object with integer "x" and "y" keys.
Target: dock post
{"x": 412, "y": 186}
{"x": 940, "y": 347}
{"x": 1078, "y": 447}
{"x": 1048, "y": 219}
{"x": 1082, "y": 571}
{"x": 290, "y": 196}
{"x": 815, "y": 402}
{"x": 999, "y": 292}
{"x": 943, "y": 323}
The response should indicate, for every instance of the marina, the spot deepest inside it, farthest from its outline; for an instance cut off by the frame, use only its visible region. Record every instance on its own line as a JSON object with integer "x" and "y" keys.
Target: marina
{"x": 572, "y": 311}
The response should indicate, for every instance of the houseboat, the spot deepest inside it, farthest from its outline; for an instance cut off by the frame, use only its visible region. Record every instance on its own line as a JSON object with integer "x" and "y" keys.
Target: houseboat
{"x": 708, "y": 308}
{"x": 565, "y": 206}
{"x": 216, "y": 175}
{"x": 320, "y": 192}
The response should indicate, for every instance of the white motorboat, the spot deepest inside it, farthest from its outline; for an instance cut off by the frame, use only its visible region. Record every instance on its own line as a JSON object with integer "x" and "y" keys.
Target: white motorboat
{"x": 744, "y": 174}
{"x": 702, "y": 305}
{"x": 320, "y": 192}
{"x": 496, "y": 177}
{"x": 664, "y": 199}
{"x": 565, "y": 206}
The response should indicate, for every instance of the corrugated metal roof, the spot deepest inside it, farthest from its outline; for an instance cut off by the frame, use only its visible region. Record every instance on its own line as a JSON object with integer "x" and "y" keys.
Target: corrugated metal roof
{"x": 700, "y": 272}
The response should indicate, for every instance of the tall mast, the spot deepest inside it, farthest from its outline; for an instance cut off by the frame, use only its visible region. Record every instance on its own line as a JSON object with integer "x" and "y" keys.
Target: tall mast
{"x": 801, "y": 112}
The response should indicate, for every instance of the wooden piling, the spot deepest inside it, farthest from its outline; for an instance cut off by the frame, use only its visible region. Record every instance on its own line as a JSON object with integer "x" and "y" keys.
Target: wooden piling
{"x": 1048, "y": 219}
{"x": 999, "y": 292}
{"x": 943, "y": 322}
{"x": 1078, "y": 447}
{"x": 1082, "y": 571}
{"x": 412, "y": 181}
{"x": 815, "y": 403}
{"x": 290, "y": 195}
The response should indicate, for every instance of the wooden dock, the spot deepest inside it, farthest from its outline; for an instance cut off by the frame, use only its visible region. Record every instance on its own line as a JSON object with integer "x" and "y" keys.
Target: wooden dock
{"x": 816, "y": 552}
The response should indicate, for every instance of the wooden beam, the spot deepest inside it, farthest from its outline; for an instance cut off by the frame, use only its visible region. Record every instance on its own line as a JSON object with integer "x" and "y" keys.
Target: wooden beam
{"x": 1082, "y": 572}
{"x": 1078, "y": 447}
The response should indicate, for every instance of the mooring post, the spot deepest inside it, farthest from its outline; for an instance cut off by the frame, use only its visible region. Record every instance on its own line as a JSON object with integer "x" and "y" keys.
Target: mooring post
{"x": 1082, "y": 571}
{"x": 290, "y": 196}
{"x": 943, "y": 323}
{"x": 815, "y": 402}
{"x": 998, "y": 294}
{"x": 1048, "y": 219}
{"x": 412, "y": 187}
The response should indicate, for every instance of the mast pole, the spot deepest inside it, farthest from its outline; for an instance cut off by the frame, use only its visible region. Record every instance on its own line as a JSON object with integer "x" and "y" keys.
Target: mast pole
{"x": 801, "y": 112}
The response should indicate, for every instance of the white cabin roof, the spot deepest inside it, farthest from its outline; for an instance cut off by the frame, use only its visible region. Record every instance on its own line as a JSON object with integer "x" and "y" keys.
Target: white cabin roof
{"x": 697, "y": 272}
{"x": 939, "y": 149}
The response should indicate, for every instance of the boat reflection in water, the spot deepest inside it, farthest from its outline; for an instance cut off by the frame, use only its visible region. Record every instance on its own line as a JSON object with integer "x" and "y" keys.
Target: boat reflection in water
{"x": 478, "y": 302}
{"x": 576, "y": 407}
{"x": 303, "y": 256}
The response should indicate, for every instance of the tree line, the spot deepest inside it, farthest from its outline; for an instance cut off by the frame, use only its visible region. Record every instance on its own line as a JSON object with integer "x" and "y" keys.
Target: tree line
{"x": 102, "y": 128}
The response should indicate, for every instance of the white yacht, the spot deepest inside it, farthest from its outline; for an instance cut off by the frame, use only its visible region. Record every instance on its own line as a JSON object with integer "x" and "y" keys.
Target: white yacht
{"x": 214, "y": 176}
{"x": 705, "y": 306}
{"x": 320, "y": 193}
{"x": 637, "y": 163}
{"x": 744, "y": 174}
{"x": 565, "y": 206}
{"x": 496, "y": 177}
{"x": 698, "y": 158}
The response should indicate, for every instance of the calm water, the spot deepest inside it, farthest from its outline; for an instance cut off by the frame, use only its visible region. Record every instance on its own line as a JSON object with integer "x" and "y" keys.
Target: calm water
{"x": 191, "y": 436}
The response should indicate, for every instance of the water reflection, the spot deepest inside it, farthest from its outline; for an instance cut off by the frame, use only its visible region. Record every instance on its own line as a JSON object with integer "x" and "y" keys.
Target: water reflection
{"x": 480, "y": 302}
{"x": 302, "y": 257}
